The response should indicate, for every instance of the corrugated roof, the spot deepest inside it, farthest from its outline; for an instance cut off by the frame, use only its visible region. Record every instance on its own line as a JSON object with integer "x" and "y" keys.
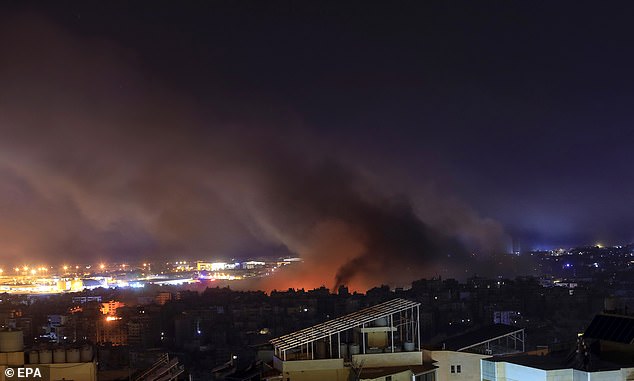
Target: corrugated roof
{"x": 342, "y": 323}
{"x": 615, "y": 328}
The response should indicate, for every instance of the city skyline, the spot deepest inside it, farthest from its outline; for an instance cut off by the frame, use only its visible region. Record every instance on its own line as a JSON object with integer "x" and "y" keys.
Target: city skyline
{"x": 372, "y": 140}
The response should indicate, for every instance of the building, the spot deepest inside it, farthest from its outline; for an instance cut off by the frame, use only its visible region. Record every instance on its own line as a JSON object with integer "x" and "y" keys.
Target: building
{"x": 55, "y": 326}
{"x": 163, "y": 297}
{"x": 381, "y": 342}
{"x": 113, "y": 330}
{"x": 110, "y": 308}
{"x": 44, "y": 363}
{"x": 458, "y": 357}
{"x": 561, "y": 367}
{"x": 605, "y": 352}
{"x": 215, "y": 266}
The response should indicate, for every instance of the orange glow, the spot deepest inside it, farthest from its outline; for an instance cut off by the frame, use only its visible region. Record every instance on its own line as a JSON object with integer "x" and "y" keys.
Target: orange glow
{"x": 331, "y": 245}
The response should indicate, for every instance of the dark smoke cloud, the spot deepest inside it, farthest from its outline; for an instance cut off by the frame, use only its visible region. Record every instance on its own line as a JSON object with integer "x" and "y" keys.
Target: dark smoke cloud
{"x": 99, "y": 161}
{"x": 384, "y": 236}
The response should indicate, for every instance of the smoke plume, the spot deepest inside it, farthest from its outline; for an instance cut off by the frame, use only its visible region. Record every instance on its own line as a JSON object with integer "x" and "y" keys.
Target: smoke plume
{"x": 100, "y": 161}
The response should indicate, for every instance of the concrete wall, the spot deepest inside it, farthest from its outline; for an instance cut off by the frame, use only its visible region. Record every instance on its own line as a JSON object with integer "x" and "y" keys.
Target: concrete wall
{"x": 401, "y": 376}
{"x": 389, "y": 359}
{"x": 508, "y": 371}
{"x": 309, "y": 365}
{"x": 469, "y": 365}
{"x": 317, "y": 375}
{"x": 85, "y": 371}
{"x": 334, "y": 370}
{"x": 606, "y": 376}
{"x": 627, "y": 374}
{"x": 512, "y": 372}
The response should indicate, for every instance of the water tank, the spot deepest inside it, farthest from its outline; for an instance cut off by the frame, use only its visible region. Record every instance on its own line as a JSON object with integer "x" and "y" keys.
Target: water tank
{"x": 86, "y": 353}
{"x": 380, "y": 322}
{"x": 46, "y": 356}
{"x": 320, "y": 349}
{"x": 34, "y": 357}
{"x": 408, "y": 346}
{"x": 72, "y": 355}
{"x": 15, "y": 358}
{"x": 59, "y": 355}
{"x": 11, "y": 340}
{"x": 343, "y": 350}
{"x": 3, "y": 358}
{"x": 354, "y": 349}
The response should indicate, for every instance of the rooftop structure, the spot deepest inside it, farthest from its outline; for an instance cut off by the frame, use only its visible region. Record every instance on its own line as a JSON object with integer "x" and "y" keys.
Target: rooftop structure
{"x": 459, "y": 357}
{"x": 367, "y": 322}
{"x": 604, "y": 352}
{"x": 615, "y": 328}
{"x": 495, "y": 339}
{"x": 374, "y": 343}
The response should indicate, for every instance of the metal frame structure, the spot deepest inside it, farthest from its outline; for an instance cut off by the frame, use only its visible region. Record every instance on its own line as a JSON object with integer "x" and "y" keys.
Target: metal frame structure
{"x": 306, "y": 337}
{"x": 517, "y": 335}
{"x": 163, "y": 369}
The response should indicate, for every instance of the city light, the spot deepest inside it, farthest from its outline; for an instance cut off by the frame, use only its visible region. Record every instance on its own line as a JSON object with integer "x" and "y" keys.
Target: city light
{"x": 42, "y": 279}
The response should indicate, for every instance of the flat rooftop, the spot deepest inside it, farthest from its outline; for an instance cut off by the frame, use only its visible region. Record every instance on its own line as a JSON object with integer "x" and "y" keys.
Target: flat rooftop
{"x": 559, "y": 361}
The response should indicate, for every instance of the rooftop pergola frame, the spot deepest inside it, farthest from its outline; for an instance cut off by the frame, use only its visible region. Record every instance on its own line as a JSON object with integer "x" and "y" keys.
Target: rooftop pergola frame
{"x": 402, "y": 319}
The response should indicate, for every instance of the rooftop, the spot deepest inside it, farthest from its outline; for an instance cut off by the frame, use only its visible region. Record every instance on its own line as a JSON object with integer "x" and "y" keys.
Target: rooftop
{"x": 343, "y": 323}
{"x": 559, "y": 361}
{"x": 616, "y": 328}
{"x": 372, "y": 373}
{"x": 479, "y": 336}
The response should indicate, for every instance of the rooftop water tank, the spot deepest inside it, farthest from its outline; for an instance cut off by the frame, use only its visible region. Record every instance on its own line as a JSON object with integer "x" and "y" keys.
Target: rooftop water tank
{"x": 59, "y": 355}
{"x": 343, "y": 350}
{"x": 34, "y": 357}
{"x": 320, "y": 349}
{"x": 11, "y": 340}
{"x": 86, "y": 353}
{"x": 46, "y": 356}
{"x": 380, "y": 322}
{"x": 72, "y": 355}
{"x": 15, "y": 358}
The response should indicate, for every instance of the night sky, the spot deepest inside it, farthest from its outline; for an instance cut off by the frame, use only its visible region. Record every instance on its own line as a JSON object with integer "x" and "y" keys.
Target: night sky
{"x": 238, "y": 129}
